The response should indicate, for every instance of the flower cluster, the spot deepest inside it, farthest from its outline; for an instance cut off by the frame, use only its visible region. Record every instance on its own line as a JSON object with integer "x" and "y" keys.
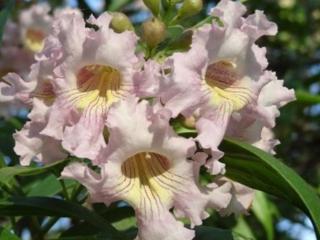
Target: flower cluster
{"x": 21, "y": 42}
{"x": 94, "y": 97}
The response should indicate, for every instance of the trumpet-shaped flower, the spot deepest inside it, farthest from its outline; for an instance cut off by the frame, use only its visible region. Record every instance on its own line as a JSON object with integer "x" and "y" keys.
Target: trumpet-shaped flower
{"x": 95, "y": 71}
{"x": 222, "y": 75}
{"x": 13, "y": 58}
{"x": 30, "y": 144}
{"x": 35, "y": 25}
{"x": 146, "y": 164}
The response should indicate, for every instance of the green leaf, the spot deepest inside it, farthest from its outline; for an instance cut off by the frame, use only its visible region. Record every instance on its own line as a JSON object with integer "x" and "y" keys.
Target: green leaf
{"x": 264, "y": 210}
{"x": 115, "y": 5}
{"x": 257, "y": 169}
{"x": 46, "y": 186}
{"x": 7, "y": 174}
{"x": 243, "y": 228}
{"x": 45, "y": 206}
{"x": 307, "y": 98}
{"x": 209, "y": 233}
{"x": 175, "y": 31}
{"x": 5, "y": 234}
{"x": 4, "y": 15}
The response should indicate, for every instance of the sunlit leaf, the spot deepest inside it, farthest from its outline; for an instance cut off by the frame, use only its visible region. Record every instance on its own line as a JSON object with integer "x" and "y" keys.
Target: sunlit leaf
{"x": 243, "y": 228}
{"x": 6, "y": 234}
{"x": 264, "y": 210}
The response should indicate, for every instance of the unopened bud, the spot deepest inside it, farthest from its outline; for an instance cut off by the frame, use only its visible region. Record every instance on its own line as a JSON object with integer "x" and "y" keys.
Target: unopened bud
{"x": 154, "y": 32}
{"x": 190, "y": 8}
{"x": 190, "y": 122}
{"x": 120, "y": 22}
{"x": 154, "y": 6}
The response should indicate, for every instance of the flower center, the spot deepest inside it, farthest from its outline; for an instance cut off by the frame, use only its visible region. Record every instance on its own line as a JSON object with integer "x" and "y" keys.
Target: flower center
{"x": 148, "y": 181}
{"x": 33, "y": 39}
{"x": 221, "y": 74}
{"x": 45, "y": 92}
{"x": 226, "y": 86}
{"x": 97, "y": 85}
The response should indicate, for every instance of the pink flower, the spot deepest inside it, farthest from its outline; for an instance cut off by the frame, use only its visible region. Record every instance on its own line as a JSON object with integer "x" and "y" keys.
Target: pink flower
{"x": 35, "y": 24}
{"x": 33, "y": 27}
{"x": 255, "y": 125}
{"x": 96, "y": 69}
{"x": 221, "y": 76}
{"x": 76, "y": 84}
{"x": 30, "y": 144}
{"x": 146, "y": 164}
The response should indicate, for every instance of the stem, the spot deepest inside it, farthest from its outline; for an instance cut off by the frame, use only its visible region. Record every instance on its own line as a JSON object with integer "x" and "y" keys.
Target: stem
{"x": 49, "y": 225}
{"x": 77, "y": 189}
{"x": 13, "y": 224}
{"x": 7, "y": 190}
{"x": 36, "y": 233}
{"x": 64, "y": 189}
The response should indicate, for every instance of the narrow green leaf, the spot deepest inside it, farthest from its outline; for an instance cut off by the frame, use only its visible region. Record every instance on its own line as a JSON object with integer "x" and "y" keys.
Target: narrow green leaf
{"x": 243, "y": 228}
{"x": 45, "y": 206}
{"x": 5, "y": 234}
{"x": 209, "y": 233}
{"x": 116, "y": 5}
{"x": 46, "y": 186}
{"x": 307, "y": 98}
{"x": 8, "y": 173}
{"x": 264, "y": 210}
{"x": 4, "y": 15}
{"x": 258, "y": 169}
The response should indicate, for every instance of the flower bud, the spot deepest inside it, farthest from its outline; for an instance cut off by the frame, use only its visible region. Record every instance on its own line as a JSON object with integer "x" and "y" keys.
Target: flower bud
{"x": 190, "y": 8}
{"x": 189, "y": 122}
{"x": 120, "y": 22}
{"x": 154, "y": 6}
{"x": 153, "y": 32}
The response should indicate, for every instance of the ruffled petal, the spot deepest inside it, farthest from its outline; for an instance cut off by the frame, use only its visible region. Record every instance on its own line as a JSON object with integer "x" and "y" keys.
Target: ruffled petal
{"x": 266, "y": 141}
{"x": 164, "y": 226}
{"x": 185, "y": 73}
{"x": 30, "y": 145}
{"x": 59, "y": 116}
{"x": 71, "y": 31}
{"x": 87, "y": 177}
{"x": 210, "y": 134}
{"x": 229, "y": 12}
{"x": 15, "y": 88}
{"x": 242, "y": 198}
{"x": 88, "y": 131}
{"x": 257, "y": 25}
{"x": 146, "y": 82}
